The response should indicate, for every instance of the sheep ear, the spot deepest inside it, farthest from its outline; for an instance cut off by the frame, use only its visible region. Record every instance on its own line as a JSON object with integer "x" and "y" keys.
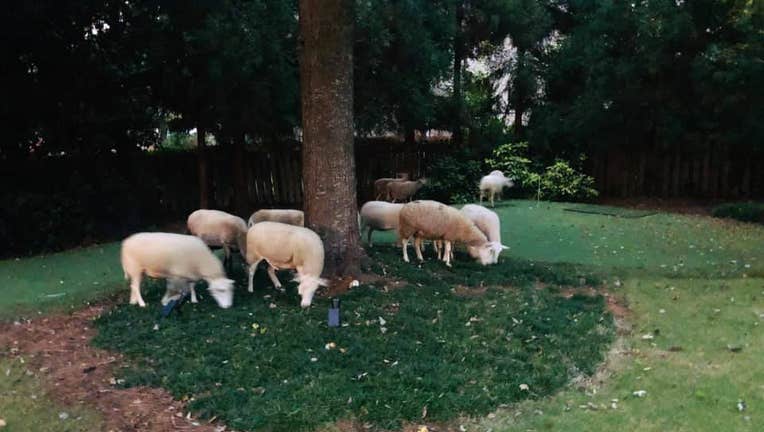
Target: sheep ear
{"x": 504, "y": 247}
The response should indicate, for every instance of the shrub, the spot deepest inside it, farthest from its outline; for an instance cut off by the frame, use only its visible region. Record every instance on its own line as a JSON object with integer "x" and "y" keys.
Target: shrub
{"x": 743, "y": 211}
{"x": 557, "y": 182}
{"x": 561, "y": 182}
{"x": 453, "y": 179}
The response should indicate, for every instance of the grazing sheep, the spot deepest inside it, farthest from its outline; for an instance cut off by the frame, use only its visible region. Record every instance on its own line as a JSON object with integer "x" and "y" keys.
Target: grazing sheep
{"x": 380, "y": 216}
{"x": 436, "y": 221}
{"x": 219, "y": 229}
{"x": 404, "y": 190}
{"x": 285, "y": 246}
{"x": 181, "y": 259}
{"x": 488, "y": 222}
{"x": 287, "y": 216}
{"x": 380, "y": 185}
{"x": 491, "y": 185}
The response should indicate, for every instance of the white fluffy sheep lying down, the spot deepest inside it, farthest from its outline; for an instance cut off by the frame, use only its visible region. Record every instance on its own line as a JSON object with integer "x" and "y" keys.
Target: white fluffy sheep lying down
{"x": 432, "y": 220}
{"x": 181, "y": 259}
{"x": 285, "y": 246}
{"x": 287, "y": 216}
{"x": 379, "y": 216}
{"x": 489, "y": 224}
{"x": 219, "y": 229}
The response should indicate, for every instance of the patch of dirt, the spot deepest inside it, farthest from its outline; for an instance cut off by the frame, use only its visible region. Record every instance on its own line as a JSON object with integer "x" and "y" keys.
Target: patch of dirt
{"x": 465, "y": 291}
{"x": 57, "y": 348}
{"x": 614, "y": 305}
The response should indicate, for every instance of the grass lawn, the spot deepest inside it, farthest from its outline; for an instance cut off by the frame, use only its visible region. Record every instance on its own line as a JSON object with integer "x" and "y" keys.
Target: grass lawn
{"x": 25, "y": 406}
{"x": 695, "y": 287}
{"x": 58, "y": 281}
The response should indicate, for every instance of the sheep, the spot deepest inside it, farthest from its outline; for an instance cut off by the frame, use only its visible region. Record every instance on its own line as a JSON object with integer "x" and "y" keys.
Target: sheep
{"x": 380, "y": 216}
{"x": 285, "y": 246}
{"x": 491, "y": 185}
{"x": 487, "y": 222}
{"x": 436, "y": 221}
{"x": 380, "y": 185}
{"x": 219, "y": 229}
{"x": 404, "y": 190}
{"x": 181, "y": 259}
{"x": 287, "y": 216}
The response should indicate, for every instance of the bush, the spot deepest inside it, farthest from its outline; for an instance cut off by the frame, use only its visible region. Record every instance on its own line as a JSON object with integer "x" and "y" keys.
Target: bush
{"x": 453, "y": 179}
{"x": 512, "y": 160}
{"x": 561, "y": 182}
{"x": 557, "y": 182}
{"x": 743, "y": 211}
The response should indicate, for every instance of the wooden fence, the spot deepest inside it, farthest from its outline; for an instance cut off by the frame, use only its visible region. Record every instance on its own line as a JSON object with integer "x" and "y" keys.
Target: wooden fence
{"x": 716, "y": 173}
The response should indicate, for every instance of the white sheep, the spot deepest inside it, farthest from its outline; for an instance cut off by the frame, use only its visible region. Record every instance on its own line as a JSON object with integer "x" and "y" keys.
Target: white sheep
{"x": 380, "y": 185}
{"x": 219, "y": 229}
{"x": 181, "y": 259}
{"x": 492, "y": 185}
{"x": 488, "y": 223}
{"x": 287, "y": 216}
{"x": 379, "y": 216}
{"x": 285, "y": 246}
{"x": 404, "y": 190}
{"x": 436, "y": 221}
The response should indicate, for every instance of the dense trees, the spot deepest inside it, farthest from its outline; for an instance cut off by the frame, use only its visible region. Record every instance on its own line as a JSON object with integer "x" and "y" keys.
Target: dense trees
{"x": 87, "y": 78}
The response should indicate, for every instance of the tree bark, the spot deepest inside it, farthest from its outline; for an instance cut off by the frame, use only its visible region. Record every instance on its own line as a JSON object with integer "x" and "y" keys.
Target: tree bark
{"x": 458, "y": 60}
{"x": 201, "y": 158}
{"x": 328, "y": 160}
{"x": 520, "y": 96}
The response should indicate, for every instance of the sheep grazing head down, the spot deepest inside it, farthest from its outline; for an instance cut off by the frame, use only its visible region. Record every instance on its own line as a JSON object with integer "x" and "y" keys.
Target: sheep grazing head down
{"x": 307, "y": 288}
{"x": 487, "y": 253}
{"x": 222, "y": 291}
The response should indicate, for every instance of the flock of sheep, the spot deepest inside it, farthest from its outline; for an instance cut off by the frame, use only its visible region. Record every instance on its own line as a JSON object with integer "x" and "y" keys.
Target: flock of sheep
{"x": 280, "y": 238}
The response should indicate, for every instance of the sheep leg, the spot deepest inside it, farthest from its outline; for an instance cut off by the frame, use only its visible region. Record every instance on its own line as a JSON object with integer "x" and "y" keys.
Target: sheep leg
{"x": 274, "y": 279}
{"x": 252, "y": 268}
{"x": 436, "y": 245}
{"x": 369, "y": 239}
{"x": 192, "y": 289}
{"x": 447, "y": 253}
{"x": 405, "y": 244}
{"x": 481, "y": 197}
{"x": 492, "y": 193}
{"x": 228, "y": 260}
{"x": 135, "y": 291}
{"x": 170, "y": 291}
{"x": 418, "y": 248}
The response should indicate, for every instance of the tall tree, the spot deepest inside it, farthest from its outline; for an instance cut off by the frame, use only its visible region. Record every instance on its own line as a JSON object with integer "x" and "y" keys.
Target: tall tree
{"x": 326, "y": 79}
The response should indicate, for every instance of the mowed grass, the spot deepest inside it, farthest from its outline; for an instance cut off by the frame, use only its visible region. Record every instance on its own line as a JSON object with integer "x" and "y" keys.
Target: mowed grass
{"x": 58, "y": 281}
{"x": 704, "y": 357}
{"x": 25, "y": 405}
{"x": 423, "y": 349}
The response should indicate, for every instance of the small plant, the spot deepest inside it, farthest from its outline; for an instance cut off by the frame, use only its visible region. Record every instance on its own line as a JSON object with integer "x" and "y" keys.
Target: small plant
{"x": 742, "y": 211}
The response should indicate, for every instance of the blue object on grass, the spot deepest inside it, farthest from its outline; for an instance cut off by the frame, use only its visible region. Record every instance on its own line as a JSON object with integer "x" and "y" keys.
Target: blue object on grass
{"x": 175, "y": 304}
{"x": 334, "y": 313}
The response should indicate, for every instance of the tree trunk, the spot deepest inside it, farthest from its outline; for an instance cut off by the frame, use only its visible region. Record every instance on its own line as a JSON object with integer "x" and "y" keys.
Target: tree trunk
{"x": 520, "y": 96}
{"x": 328, "y": 168}
{"x": 458, "y": 60}
{"x": 240, "y": 186}
{"x": 201, "y": 157}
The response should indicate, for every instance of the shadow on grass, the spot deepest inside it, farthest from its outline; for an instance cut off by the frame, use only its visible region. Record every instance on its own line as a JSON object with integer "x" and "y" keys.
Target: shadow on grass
{"x": 266, "y": 363}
